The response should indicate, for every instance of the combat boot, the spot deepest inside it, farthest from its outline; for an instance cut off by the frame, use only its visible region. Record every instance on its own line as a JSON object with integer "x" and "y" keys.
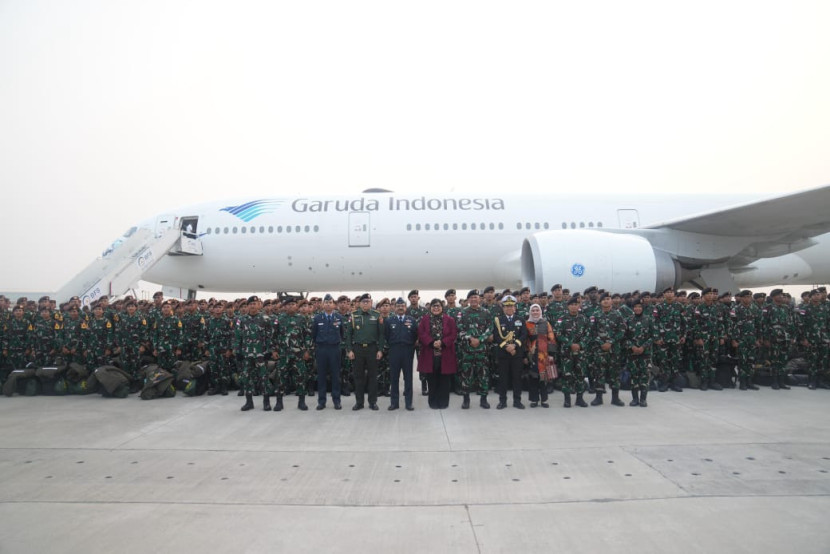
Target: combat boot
{"x": 813, "y": 382}
{"x": 704, "y": 383}
{"x": 664, "y": 386}
{"x": 212, "y": 391}
{"x": 643, "y": 403}
{"x": 782, "y": 382}
{"x": 240, "y": 393}
{"x": 223, "y": 390}
{"x": 266, "y": 402}
{"x": 597, "y": 401}
{"x": 278, "y": 404}
{"x": 775, "y": 383}
{"x": 580, "y": 401}
{"x": 249, "y": 402}
{"x": 674, "y": 380}
{"x": 742, "y": 385}
{"x": 750, "y": 385}
{"x": 716, "y": 386}
{"x": 567, "y": 403}
{"x": 301, "y": 404}
{"x": 615, "y": 398}
{"x": 483, "y": 403}
{"x": 465, "y": 405}
{"x": 635, "y": 398}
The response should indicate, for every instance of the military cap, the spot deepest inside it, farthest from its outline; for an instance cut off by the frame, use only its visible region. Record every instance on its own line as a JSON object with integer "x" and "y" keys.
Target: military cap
{"x": 524, "y": 290}
{"x": 589, "y": 290}
{"x": 776, "y": 292}
{"x": 449, "y": 292}
{"x": 490, "y": 288}
{"x": 400, "y": 300}
{"x": 508, "y": 300}
{"x": 557, "y": 286}
{"x": 707, "y": 290}
{"x": 328, "y": 297}
{"x": 435, "y": 302}
{"x": 473, "y": 292}
{"x": 365, "y": 296}
{"x": 574, "y": 300}
{"x": 744, "y": 293}
{"x": 253, "y": 298}
{"x": 412, "y": 293}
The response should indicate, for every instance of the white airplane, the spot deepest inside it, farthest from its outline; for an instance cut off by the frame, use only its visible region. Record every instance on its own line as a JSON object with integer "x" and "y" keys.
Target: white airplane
{"x": 380, "y": 240}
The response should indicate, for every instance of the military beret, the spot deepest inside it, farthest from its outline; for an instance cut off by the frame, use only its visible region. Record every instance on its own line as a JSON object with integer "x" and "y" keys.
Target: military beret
{"x": 668, "y": 289}
{"x": 328, "y": 298}
{"x": 157, "y": 294}
{"x": 43, "y": 299}
{"x": 253, "y": 298}
{"x": 681, "y": 293}
{"x": 758, "y": 295}
{"x": 449, "y": 292}
{"x": 73, "y": 298}
{"x": 508, "y": 300}
{"x": 17, "y": 307}
{"x": 400, "y": 300}
{"x": 566, "y": 291}
{"x": 727, "y": 294}
{"x": 694, "y": 295}
{"x": 506, "y": 292}
{"x": 707, "y": 290}
{"x": 822, "y": 289}
{"x": 343, "y": 298}
{"x": 413, "y": 292}
{"x": 383, "y": 302}
{"x": 604, "y": 295}
{"x": 590, "y": 289}
{"x": 490, "y": 288}
{"x": 574, "y": 300}
{"x": 645, "y": 294}
{"x": 815, "y": 291}
{"x": 557, "y": 286}
{"x": 616, "y": 295}
{"x": 473, "y": 292}
{"x": 744, "y": 293}
{"x": 776, "y": 292}
{"x": 365, "y": 296}
{"x": 543, "y": 295}
{"x": 715, "y": 290}
{"x": 524, "y": 290}
{"x": 289, "y": 300}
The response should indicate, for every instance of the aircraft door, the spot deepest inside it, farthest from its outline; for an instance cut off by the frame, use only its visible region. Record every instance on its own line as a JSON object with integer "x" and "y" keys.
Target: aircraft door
{"x": 629, "y": 219}
{"x": 359, "y": 229}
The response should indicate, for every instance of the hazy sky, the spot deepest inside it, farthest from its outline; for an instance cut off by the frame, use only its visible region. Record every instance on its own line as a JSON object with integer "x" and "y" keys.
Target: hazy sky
{"x": 111, "y": 112}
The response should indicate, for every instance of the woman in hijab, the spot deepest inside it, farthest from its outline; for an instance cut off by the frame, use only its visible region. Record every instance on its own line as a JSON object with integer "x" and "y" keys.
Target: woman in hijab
{"x": 541, "y": 345}
{"x": 437, "y": 332}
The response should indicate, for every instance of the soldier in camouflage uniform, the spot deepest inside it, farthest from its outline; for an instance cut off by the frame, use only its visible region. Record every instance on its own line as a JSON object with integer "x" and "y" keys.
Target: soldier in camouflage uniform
{"x": 45, "y": 338}
{"x": 294, "y": 344}
{"x": 745, "y": 333}
{"x": 523, "y": 304}
{"x": 607, "y": 328}
{"x": 219, "y": 344}
{"x": 707, "y": 335}
{"x": 384, "y": 307}
{"x": 475, "y": 331}
{"x": 71, "y": 337}
{"x": 193, "y": 332}
{"x": 97, "y": 339}
{"x": 572, "y": 335}
{"x": 816, "y": 335}
{"x": 131, "y": 338}
{"x": 778, "y": 329}
{"x": 670, "y": 329}
{"x": 17, "y": 340}
{"x": 167, "y": 338}
{"x": 154, "y": 314}
{"x": 346, "y": 370}
{"x": 638, "y": 342}
{"x": 255, "y": 336}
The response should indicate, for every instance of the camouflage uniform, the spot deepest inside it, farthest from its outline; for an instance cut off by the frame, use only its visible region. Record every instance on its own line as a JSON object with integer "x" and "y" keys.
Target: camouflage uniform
{"x": 219, "y": 341}
{"x": 71, "y": 340}
{"x": 97, "y": 341}
{"x": 778, "y": 328}
{"x": 815, "y": 331}
{"x": 131, "y": 333}
{"x": 605, "y": 327}
{"x": 255, "y": 337}
{"x": 669, "y": 327}
{"x": 474, "y": 361}
{"x": 745, "y": 329}
{"x": 18, "y": 342}
{"x": 572, "y": 330}
{"x": 705, "y": 327}
{"x": 640, "y": 333}
{"x": 294, "y": 340}
{"x": 45, "y": 341}
{"x": 346, "y": 370}
{"x": 167, "y": 339}
{"x": 193, "y": 336}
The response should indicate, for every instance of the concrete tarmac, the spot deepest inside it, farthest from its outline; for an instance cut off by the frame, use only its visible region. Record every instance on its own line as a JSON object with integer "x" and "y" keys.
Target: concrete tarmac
{"x": 728, "y": 471}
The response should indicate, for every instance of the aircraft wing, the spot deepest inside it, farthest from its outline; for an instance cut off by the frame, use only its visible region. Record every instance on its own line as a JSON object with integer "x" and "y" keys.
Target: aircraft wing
{"x": 789, "y": 217}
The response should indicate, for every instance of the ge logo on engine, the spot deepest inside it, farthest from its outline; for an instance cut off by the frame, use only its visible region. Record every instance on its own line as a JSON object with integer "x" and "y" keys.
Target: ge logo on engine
{"x": 577, "y": 270}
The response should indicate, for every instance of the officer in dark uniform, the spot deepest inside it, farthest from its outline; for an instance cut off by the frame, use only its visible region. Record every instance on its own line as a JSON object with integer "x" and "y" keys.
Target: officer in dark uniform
{"x": 364, "y": 344}
{"x": 401, "y": 333}
{"x": 327, "y": 331}
{"x": 510, "y": 336}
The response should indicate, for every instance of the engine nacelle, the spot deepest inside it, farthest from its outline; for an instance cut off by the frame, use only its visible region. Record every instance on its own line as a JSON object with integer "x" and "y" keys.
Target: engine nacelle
{"x": 578, "y": 259}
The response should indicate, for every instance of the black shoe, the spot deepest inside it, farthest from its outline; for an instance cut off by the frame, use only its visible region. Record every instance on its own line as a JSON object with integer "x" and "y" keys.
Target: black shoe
{"x": 321, "y": 407}
{"x": 567, "y": 403}
{"x": 249, "y": 402}
{"x": 813, "y": 382}
{"x": 373, "y": 407}
{"x": 534, "y": 404}
{"x": 266, "y": 403}
{"x": 301, "y": 404}
{"x": 518, "y": 404}
{"x": 409, "y": 408}
{"x": 750, "y": 385}
{"x": 240, "y": 393}
{"x": 424, "y": 388}
{"x": 357, "y": 407}
{"x": 337, "y": 406}
{"x": 223, "y": 390}
{"x": 597, "y": 401}
{"x": 676, "y": 388}
{"x": 782, "y": 382}
{"x": 580, "y": 401}
{"x": 716, "y": 386}
{"x": 775, "y": 385}
{"x": 212, "y": 392}
{"x": 278, "y": 405}
{"x": 465, "y": 405}
{"x": 615, "y": 398}
{"x": 483, "y": 403}
{"x": 545, "y": 405}
{"x": 635, "y": 398}
{"x": 501, "y": 405}
{"x": 392, "y": 407}
{"x": 643, "y": 403}
{"x": 741, "y": 383}
{"x": 704, "y": 384}
{"x": 664, "y": 386}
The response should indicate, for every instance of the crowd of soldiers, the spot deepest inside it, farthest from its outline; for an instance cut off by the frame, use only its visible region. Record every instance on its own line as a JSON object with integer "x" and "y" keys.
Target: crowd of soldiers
{"x": 291, "y": 345}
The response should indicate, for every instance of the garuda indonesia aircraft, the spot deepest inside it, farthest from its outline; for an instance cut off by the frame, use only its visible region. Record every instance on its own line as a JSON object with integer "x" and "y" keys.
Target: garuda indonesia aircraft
{"x": 381, "y": 240}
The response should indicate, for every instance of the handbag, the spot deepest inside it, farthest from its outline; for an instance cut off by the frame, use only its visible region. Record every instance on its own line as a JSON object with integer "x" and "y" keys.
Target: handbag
{"x": 551, "y": 371}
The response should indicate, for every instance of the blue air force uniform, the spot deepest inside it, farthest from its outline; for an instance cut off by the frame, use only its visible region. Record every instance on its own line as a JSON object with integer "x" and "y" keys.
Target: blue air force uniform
{"x": 401, "y": 335}
{"x": 327, "y": 331}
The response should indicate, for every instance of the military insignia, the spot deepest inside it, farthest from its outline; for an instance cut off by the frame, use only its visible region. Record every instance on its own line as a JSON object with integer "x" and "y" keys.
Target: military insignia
{"x": 109, "y": 325}
{"x": 180, "y": 324}
{"x": 30, "y": 328}
{"x": 57, "y": 326}
{"x": 202, "y": 321}
{"x": 144, "y": 322}
{"x": 84, "y": 326}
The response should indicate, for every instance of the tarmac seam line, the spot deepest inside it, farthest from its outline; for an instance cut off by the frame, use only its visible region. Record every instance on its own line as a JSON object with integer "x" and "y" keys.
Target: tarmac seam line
{"x": 472, "y": 527}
